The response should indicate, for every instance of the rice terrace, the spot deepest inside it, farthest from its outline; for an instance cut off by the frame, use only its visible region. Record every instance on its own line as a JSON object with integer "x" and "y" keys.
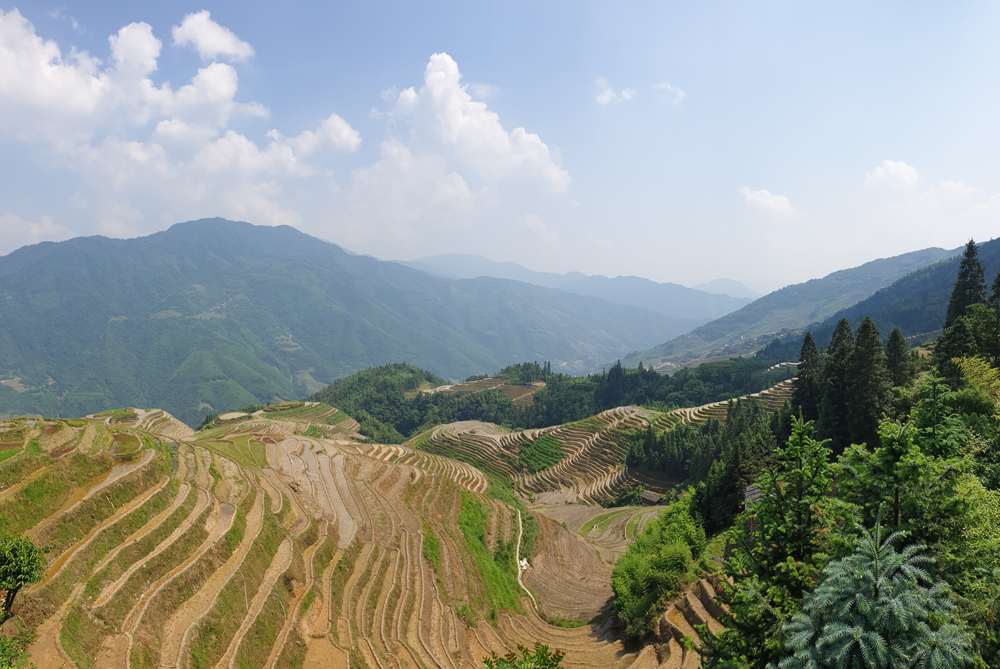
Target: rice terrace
{"x": 282, "y": 538}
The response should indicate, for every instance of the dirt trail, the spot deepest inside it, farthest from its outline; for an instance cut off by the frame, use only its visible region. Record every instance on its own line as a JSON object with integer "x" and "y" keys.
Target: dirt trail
{"x": 219, "y": 522}
{"x": 281, "y": 562}
{"x": 177, "y": 631}
{"x": 199, "y": 506}
{"x": 322, "y": 626}
{"x": 20, "y": 484}
{"x": 47, "y": 651}
{"x": 122, "y": 511}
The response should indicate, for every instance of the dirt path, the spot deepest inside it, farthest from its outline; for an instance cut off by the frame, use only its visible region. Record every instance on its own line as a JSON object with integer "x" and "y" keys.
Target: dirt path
{"x": 517, "y": 558}
{"x": 20, "y": 484}
{"x": 199, "y": 506}
{"x": 47, "y": 651}
{"x": 177, "y": 631}
{"x": 122, "y": 511}
{"x": 281, "y": 562}
{"x": 219, "y": 522}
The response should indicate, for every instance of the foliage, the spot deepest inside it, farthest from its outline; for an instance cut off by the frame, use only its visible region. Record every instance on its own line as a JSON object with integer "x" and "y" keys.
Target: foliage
{"x": 653, "y": 568}
{"x": 878, "y": 608}
{"x": 497, "y": 572}
{"x": 628, "y": 496}
{"x": 20, "y": 565}
{"x": 541, "y": 658}
{"x": 540, "y": 453}
{"x": 807, "y": 385}
{"x": 836, "y": 383}
{"x": 868, "y": 385}
{"x": 898, "y": 359}
{"x": 777, "y": 549}
{"x": 970, "y": 286}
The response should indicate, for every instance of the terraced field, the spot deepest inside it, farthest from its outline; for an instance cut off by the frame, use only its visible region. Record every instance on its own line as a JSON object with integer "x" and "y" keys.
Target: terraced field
{"x": 284, "y": 540}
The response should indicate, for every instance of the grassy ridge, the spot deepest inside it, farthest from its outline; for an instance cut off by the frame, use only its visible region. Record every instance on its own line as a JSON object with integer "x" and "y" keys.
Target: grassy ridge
{"x": 497, "y": 573}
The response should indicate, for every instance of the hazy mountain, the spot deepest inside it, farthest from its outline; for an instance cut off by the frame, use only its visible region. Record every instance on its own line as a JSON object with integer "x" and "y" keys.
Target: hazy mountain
{"x": 787, "y": 309}
{"x": 214, "y": 313}
{"x": 670, "y": 299}
{"x": 916, "y": 303}
{"x": 729, "y": 287}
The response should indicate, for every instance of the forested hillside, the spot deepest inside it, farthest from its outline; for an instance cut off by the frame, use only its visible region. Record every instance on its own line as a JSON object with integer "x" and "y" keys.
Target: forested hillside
{"x": 213, "y": 313}
{"x": 789, "y": 308}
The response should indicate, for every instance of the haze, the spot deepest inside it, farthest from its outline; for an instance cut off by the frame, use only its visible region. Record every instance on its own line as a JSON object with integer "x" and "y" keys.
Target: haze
{"x": 768, "y": 142}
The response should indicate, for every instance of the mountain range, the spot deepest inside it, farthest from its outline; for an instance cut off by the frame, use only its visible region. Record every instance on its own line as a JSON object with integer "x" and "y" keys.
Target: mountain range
{"x": 788, "y": 309}
{"x": 671, "y": 299}
{"x": 214, "y": 313}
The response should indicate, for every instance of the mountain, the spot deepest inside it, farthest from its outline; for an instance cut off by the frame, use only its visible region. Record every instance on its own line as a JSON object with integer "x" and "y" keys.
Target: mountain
{"x": 916, "y": 303}
{"x": 214, "y": 313}
{"x": 784, "y": 310}
{"x": 670, "y": 299}
{"x": 729, "y": 287}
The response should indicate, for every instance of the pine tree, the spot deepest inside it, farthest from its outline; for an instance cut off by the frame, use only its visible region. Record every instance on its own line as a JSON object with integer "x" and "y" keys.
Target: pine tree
{"x": 957, "y": 341}
{"x": 970, "y": 285}
{"x": 806, "y": 387}
{"x": 878, "y": 609}
{"x": 868, "y": 385}
{"x": 835, "y": 388}
{"x": 772, "y": 567}
{"x": 898, "y": 359}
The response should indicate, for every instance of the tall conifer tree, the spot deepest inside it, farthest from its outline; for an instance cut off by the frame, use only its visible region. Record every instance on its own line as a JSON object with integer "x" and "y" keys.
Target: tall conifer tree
{"x": 835, "y": 388}
{"x": 868, "y": 385}
{"x": 806, "y": 387}
{"x": 898, "y": 359}
{"x": 970, "y": 285}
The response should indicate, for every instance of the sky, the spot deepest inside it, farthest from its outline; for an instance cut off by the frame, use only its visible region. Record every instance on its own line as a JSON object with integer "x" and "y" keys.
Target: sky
{"x": 770, "y": 142}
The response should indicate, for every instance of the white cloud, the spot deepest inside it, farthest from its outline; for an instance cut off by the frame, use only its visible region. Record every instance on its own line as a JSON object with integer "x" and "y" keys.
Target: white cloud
{"x": 444, "y": 118}
{"x": 210, "y": 39}
{"x": 777, "y": 205}
{"x": 536, "y": 226}
{"x": 17, "y": 232}
{"x": 606, "y": 95}
{"x": 676, "y": 94}
{"x": 896, "y": 173}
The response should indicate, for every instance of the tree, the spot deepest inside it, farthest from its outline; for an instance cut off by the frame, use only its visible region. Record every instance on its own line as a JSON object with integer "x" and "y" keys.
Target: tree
{"x": 541, "y": 658}
{"x": 868, "y": 385}
{"x": 20, "y": 565}
{"x": 773, "y": 566}
{"x": 835, "y": 387}
{"x": 970, "y": 285}
{"x": 878, "y": 608}
{"x": 957, "y": 341}
{"x": 898, "y": 359}
{"x": 806, "y": 387}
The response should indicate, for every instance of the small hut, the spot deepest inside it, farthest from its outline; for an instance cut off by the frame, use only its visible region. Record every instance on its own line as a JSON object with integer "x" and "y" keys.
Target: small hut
{"x": 650, "y": 498}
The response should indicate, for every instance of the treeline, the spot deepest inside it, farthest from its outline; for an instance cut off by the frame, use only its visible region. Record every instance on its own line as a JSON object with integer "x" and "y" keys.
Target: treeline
{"x": 861, "y": 539}
{"x": 387, "y": 403}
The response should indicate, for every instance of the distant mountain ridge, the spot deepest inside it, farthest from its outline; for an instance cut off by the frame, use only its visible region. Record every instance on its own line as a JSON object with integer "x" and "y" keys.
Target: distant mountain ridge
{"x": 215, "y": 313}
{"x": 917, "y": 303}
{"x": 790, "y": 308}
{"x": 670, "y": 299}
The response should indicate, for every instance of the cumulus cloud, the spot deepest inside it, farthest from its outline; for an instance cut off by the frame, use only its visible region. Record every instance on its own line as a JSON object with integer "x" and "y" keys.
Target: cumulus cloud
{"x": 895, "y": 173}
{"x": 151, "y": 153}
{"x": 537, "y": 227}
{"x": 18, "y": 232}
{"x": 209, "y": 39}
{"x": 606, "y": 95}
{"x": 777, "y": 205}
{"x": 675, "y": 93}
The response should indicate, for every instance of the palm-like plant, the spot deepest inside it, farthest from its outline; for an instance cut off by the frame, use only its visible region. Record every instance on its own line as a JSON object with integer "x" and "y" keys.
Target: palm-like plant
{"x": 878, "y": 609}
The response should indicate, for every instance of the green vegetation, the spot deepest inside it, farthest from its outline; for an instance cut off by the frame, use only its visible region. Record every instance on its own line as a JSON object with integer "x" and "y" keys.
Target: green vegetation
{"x": 432, "y": 548}
{"x": 540, "y": 658}
{"x": 496, "y": 570}
{"x": 20, "y": 565}
{"x": 540, "y": 453}
{"x": 655, "y": 566}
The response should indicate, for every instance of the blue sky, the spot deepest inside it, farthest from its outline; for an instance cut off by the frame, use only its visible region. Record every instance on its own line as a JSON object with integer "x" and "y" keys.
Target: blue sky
{"x": 770, "y": 142}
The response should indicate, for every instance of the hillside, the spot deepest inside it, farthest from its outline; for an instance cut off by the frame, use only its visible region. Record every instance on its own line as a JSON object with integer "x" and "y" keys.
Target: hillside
{"x": 670, "y": 299}
{"x": 279, "y": 539}
{"x": 213, "y": 314}
{"x": 789, "y": 308}
{"x": 916, "y": 303}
